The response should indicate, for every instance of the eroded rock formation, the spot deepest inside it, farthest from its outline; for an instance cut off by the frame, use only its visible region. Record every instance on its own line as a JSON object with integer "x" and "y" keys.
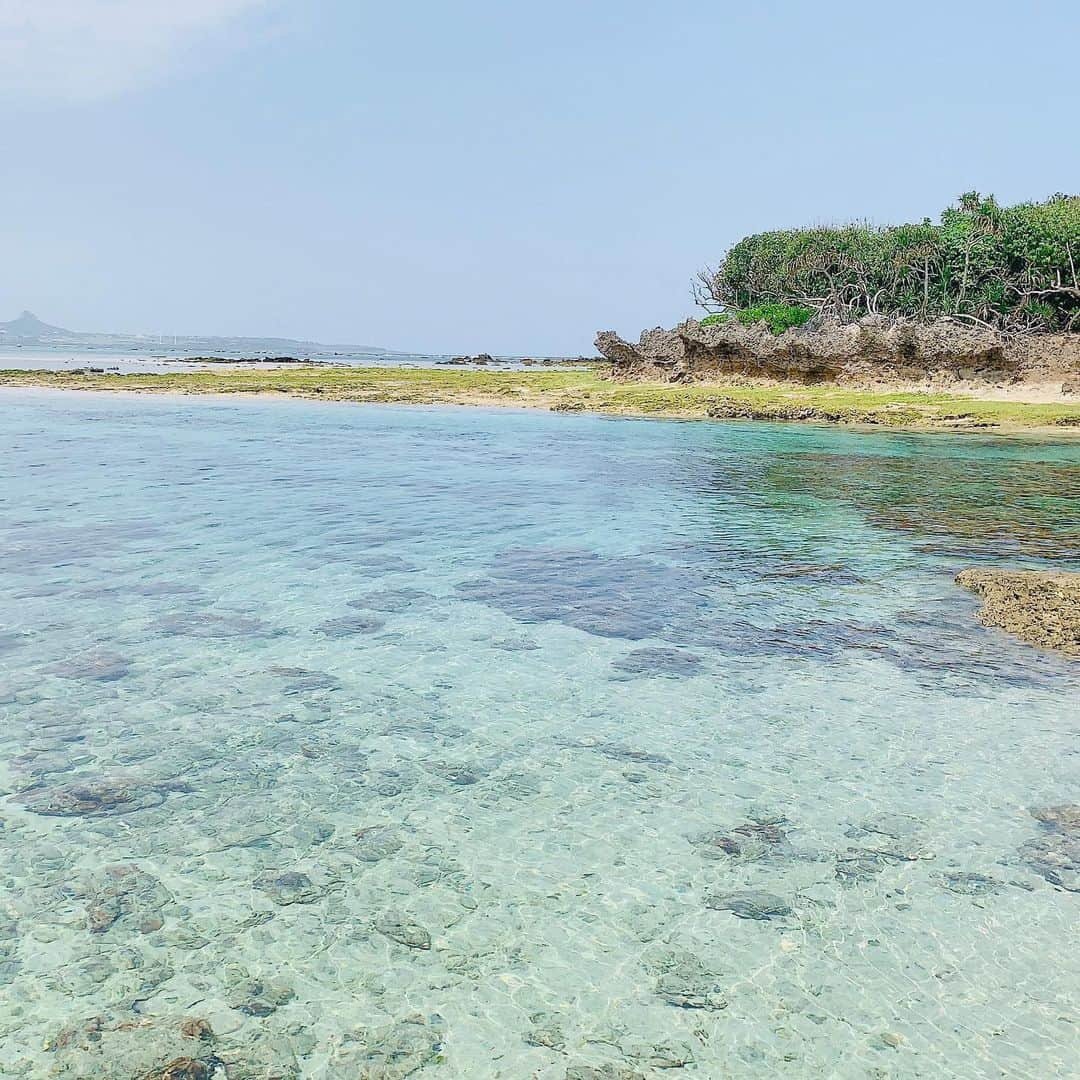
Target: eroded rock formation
{"x": 1039, "y": 607}
{"x": 872, "y": 351}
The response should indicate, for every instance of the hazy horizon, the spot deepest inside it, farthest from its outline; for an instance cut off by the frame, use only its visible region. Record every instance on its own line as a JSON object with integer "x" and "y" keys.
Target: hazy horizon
{"x": 485, "y": 179}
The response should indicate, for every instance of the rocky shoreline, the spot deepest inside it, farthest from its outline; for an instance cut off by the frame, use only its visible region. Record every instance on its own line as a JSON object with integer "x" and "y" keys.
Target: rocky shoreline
{"x": 874, "y": 351}
{"x": 1039, "y": 607}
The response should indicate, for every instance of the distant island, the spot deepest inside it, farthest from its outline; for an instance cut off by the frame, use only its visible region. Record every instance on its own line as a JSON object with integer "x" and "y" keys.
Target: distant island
{"x": 30, "y": 331}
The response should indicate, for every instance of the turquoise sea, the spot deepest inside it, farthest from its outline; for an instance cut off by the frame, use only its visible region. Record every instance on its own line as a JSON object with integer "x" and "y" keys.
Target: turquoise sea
{"x": 366, "y": 742}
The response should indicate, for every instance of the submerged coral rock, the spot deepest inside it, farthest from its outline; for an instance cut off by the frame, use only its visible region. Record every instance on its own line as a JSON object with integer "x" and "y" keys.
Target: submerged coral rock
{"x": 126, "y": 899}
{"x": 1055, "y": 854}
{"x": 392, "y": 1052}
{"x": 1039, "y": 607}
{"x": 400, "y": 928}
{"x": 750, "y": 904}
{"x": 348, "y": 625}
{"x": 1064, "y": 816}
{"x": 260, "y": 997}
{"x": 290, "y": 887}
{"x": 97, "y": 664}
{"x": 130, "y": 1047}
{"x": 94, "y": 798}
{"x": 658, "y": 661}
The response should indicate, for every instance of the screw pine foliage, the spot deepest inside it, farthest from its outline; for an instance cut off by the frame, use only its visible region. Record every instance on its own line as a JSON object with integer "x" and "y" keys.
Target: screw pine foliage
{"x": 1011, "y": 268}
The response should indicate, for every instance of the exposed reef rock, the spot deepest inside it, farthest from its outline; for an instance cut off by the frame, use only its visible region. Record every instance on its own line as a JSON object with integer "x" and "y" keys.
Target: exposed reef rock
{"x": 1039, "y": 607}
{"x": 872, "y": 351}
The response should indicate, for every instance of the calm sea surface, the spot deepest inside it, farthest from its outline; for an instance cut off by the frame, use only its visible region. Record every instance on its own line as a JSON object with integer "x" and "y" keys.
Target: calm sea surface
{"x": 370, "y": 742}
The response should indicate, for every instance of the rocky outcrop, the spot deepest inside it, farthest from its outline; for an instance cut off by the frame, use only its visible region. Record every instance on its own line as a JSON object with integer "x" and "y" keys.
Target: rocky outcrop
{"x": 1041, "y": 608}
{"x": 872, "y": 351}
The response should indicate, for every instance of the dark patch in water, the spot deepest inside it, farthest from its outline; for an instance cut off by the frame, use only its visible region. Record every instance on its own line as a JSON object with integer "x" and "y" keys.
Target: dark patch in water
{"x": 349, "y": 625}
{"x": 391, "y": 601}
{"x": 610, "y": 596}
{"x": 100, "y": 665}
{"x": 212, "y": 624}
{"x": 658, "y": 661}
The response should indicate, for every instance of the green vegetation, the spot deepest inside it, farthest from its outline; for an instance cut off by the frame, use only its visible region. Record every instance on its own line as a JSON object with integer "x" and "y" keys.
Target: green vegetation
{"x": 1011, "y": 268}
{"x": 778, "y": 317}
{"x": 587, "y": 391}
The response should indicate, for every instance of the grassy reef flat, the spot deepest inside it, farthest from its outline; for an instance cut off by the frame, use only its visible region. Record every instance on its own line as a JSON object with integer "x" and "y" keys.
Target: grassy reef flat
{"x": 587, "y": 390}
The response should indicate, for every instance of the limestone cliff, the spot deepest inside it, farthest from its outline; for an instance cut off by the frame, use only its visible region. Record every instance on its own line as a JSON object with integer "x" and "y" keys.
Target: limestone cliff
{"x": 872, "y": 351}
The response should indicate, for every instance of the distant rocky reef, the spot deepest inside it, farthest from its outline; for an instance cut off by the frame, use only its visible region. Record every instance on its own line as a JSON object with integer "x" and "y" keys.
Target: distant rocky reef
{"x": 872, "y": 351}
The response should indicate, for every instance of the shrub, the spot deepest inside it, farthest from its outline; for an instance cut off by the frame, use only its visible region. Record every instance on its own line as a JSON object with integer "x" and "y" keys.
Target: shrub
{"x": 1011, "y": 268}
{"x": 715, "y": 319}
{"x": 778, "y": 317}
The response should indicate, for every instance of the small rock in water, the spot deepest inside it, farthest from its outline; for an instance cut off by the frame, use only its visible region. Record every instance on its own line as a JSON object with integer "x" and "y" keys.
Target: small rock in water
{"x": 392, "y": 1052}
{"x": 348, "y": 625}
{"x": 969, "y": 884}
{"x": 404, "y": 931}
{"x": 391, "y": 601}
{"x": 100, "y": 665}
{"x": 95, "y": 798}
{"x": 602, "y": 1072}
{"x": 750, "y": 904}
{"x": 378, "y": 842}
{"x": 1066, "y": 816}
{"x": 290, "y": 887}
{"x": 658, "y": 661}
{"x": 259, "y": 997}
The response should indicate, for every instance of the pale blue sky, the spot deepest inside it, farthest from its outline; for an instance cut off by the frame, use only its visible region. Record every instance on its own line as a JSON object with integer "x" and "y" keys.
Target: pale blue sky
{"x": 488, "y": 176}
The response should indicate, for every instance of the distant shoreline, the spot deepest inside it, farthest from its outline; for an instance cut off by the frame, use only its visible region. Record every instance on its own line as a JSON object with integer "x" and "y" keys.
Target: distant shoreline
{"x": 589, "y": 391}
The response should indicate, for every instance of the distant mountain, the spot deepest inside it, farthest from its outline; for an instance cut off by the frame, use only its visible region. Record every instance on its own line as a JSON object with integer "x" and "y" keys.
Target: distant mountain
{"x": 28, "y": 329}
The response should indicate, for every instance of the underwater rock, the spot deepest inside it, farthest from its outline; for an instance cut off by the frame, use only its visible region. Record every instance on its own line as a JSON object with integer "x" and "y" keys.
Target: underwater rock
{"x": 391, "y": 601}
{"x": 750, "y": 904}
{"x": 658, "y": 661}
{"x": 133, "y": 1047}
{"x": 426, "y": 730}
{"x": 1055, "y": 854}
{"x": 290, "y": 887}
{"x": 546, "y": 1030}
{"x": 859, "y": 866}
{"x": 125, "y": 898}
{"x": 213, "y": 624}
{"x": 969, "y": 883}
{"x": 675, "y": 1054}
{"x": 610, "y": 596}
{"x": 389, "y": 783}
{"x": 9, "y": 949}
{"x": 398, "y": 927}
{"x": 378, "y": 842}
{"x": 348, "y": 625}
{"x": 96, "y": 798}
{"x": 744, "y": 843}
{"x": 100, "y": 665}
{"x": 685, "y": 982}
{"x": 301, "y": 680}
{"x": 616, "y": 751}
{"x": 1038, "y": 606}
{"x": 260, "y": 997}
{"x": 460, "y": 774}
{"x": 895, "y": 835}
{"x": 1066, "y": 816}
{"x": 602, "y": 1072}
{"x": 392, "y": 1052}
{"x": 515, "y": 644}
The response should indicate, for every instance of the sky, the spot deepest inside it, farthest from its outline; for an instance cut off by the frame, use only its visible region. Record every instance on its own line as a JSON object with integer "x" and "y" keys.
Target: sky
{"x": 483, "y": 176}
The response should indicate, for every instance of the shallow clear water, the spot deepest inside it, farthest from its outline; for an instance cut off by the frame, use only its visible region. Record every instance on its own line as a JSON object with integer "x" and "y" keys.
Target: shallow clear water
{"x": 398, "y": 742}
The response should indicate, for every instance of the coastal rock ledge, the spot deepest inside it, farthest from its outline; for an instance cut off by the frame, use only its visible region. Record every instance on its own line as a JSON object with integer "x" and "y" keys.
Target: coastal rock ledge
{"x": 1039, "y": 607}
{"x": 873, "y": 351}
